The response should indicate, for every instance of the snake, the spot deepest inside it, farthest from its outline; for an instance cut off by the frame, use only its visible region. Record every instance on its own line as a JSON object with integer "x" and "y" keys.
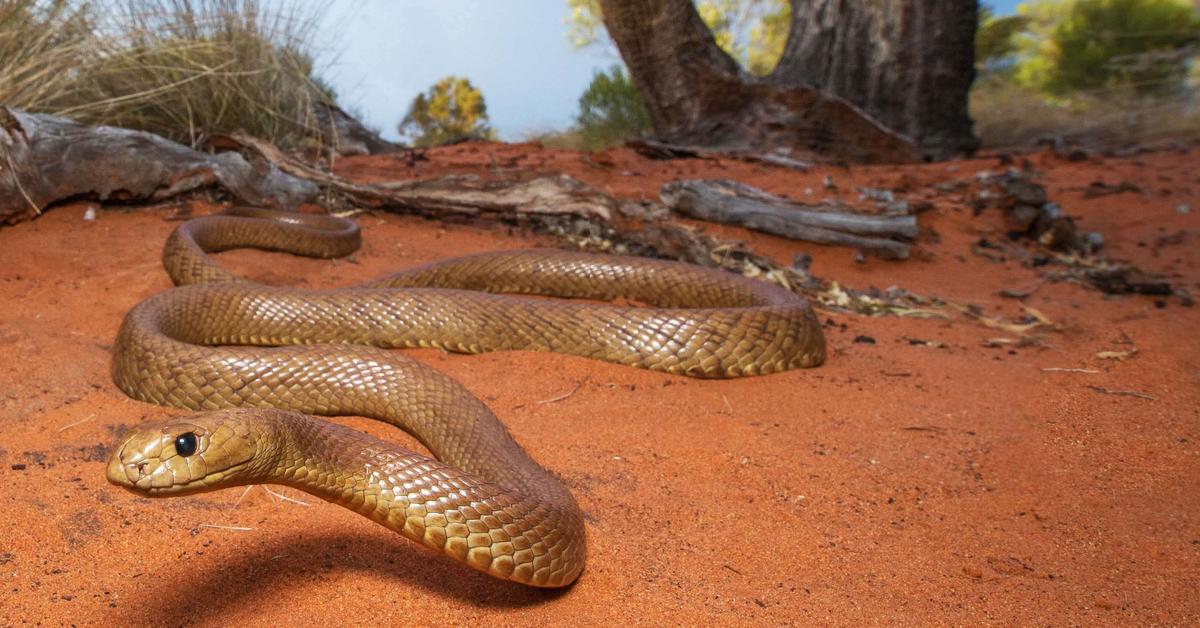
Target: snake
{"x": 259, "y": 363}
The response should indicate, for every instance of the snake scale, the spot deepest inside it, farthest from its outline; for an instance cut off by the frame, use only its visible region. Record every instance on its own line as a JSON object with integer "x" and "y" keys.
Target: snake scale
{"x": 258, "y": 360}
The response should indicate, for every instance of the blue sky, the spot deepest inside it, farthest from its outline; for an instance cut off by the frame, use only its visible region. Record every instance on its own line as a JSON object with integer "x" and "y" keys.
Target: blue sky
{"x": 516, "y": 52}
{"x": 1004, "y": 7}
{"x": 385, "y": 52}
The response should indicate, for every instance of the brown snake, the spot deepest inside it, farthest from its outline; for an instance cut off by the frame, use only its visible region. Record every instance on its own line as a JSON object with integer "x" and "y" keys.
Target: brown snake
{"x": 223, "y": 343}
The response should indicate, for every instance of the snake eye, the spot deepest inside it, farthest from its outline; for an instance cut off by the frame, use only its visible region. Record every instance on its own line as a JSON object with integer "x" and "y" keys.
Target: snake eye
{"x": 185, "y": 444}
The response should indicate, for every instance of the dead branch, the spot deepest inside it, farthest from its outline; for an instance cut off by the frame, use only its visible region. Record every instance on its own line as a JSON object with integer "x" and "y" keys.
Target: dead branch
{"x": 1124, "y": 393}
{"x": 467, "y": 195}
{"x": 661, "y": 150}
{"x": 45, "y": 159}
{"x": 729, "y": 202}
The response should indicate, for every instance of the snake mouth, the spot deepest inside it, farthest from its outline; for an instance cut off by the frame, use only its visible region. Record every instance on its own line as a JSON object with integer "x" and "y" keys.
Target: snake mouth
{"x": 208, "y": 482}
{"x": 123, "y": 474}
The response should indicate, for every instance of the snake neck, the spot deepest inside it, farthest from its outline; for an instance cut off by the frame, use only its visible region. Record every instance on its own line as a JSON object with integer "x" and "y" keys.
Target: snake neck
{"x": 531, "y": 533}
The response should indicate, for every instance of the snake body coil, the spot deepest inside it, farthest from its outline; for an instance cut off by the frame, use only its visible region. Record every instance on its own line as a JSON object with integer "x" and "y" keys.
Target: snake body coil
{"x": 217, "y": 342}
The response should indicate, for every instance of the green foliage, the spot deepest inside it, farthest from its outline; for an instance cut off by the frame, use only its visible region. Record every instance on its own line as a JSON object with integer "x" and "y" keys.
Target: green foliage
{"x": 1139, "y": 45}
{"x": 452, "y": 109}
{"x": 585, "y": 26}
{"x": 995, "y": 38}
{"x": 1100, "y": 72}
{"x": 753, "y": 32}
{"x": 767, "y": 39}
{"x": 611, "y": 111}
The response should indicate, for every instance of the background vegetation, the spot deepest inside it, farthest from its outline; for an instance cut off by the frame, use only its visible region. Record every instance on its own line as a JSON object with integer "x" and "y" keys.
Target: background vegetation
{"x": 183, "y": 69}
{"x": 1105, "y": 72}
{"x": 453, "y": 109}
{"x": 1100, "y": 71}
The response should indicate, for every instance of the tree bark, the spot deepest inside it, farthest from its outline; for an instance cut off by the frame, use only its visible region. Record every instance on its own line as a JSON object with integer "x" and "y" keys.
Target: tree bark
{"x": 904, "y": 98}
{"x": 907, "y": 63}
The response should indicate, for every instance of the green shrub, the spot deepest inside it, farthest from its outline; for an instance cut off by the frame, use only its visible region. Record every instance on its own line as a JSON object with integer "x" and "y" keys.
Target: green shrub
{"x": 611, "y": 110}
{"x": 451, "y": 109}
{"x": 1088, "y": 45}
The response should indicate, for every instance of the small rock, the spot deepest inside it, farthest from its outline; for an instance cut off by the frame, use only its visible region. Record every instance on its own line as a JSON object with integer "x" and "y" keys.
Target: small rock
{"x": 1183, "y": 208}
{"x": 897, "y": 208}
{"x": 866, "y": 340}
{"x": 885, "y": 196}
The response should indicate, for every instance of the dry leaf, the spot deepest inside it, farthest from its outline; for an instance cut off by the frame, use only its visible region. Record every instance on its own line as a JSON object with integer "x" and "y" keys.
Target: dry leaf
{"x": 1117, "y": 355}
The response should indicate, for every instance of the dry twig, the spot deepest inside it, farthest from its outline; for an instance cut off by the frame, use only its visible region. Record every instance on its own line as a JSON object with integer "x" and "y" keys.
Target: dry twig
{"x": 1124, "y": 393}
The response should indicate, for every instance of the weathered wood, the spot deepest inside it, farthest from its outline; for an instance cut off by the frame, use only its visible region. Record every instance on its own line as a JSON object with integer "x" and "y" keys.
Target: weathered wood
{"x": 464, "y": 195}
{"x": 662, "y": 150}
{"x": 729, "y": 202}
{"x": 45, "y": 159}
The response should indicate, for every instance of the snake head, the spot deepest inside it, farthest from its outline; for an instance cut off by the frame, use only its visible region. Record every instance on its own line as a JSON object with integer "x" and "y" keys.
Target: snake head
{"x": 201, "y": 453}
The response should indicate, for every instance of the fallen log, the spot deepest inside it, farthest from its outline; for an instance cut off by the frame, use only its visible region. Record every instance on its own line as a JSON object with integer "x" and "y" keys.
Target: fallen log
{"x": 729, "y": 202}
{"x": 45, "y": 159}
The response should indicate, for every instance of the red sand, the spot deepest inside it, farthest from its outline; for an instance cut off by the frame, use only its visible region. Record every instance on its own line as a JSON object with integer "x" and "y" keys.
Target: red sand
{"x": 897, "y": 483}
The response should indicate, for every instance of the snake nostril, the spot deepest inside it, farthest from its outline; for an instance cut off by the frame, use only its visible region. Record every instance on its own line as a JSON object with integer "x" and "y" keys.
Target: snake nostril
{"x": 139, "y": 467}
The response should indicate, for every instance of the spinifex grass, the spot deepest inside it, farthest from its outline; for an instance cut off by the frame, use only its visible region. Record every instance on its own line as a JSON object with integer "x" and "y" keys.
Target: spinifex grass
{"x": 183, "y": 69}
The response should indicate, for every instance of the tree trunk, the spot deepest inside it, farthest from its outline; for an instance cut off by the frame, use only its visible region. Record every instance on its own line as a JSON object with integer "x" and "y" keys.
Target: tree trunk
{"x": 907, "y": 63}
{"x": 697, "y": 95}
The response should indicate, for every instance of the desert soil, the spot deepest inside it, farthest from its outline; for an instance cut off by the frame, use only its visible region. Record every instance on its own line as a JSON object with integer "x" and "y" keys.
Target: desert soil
{"x": 919, "y": 476}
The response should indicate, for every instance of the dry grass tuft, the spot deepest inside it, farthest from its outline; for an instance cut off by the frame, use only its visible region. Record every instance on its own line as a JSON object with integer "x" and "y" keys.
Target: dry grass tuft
{"x": 1010, "y": 116}
{"x": 183, "y": 69}
{"x": 42, "y": 45}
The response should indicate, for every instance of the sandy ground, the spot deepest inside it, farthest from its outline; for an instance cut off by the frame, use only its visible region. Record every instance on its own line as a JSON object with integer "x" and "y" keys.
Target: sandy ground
{"x": 900, "y": 482}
